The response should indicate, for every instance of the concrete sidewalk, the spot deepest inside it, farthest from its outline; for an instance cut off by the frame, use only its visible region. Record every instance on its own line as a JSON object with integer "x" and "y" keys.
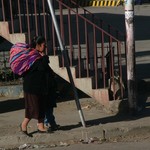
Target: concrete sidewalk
{"x": 101, "y": 127}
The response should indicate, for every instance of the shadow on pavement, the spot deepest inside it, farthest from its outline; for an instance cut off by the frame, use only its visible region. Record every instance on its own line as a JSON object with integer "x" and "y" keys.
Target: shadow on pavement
{"x": 11, "y": 105}
{"x": 64, "y": 128}
{"x": 118, "y": 118}
{"x": 69, "y": 127}
{"x": 143, "y": 102}
{"x": 123, "y": 114}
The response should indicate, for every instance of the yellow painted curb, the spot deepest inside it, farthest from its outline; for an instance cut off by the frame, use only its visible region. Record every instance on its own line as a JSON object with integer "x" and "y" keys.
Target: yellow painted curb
{"x": 99, "y": 3}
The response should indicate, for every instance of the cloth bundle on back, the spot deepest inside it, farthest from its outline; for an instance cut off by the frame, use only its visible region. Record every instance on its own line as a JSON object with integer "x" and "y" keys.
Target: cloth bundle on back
{"x": 22, "y": 57}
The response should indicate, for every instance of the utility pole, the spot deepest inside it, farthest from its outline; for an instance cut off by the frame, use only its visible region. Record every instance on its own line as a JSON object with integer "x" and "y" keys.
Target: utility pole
{"x": 130, "y": 47}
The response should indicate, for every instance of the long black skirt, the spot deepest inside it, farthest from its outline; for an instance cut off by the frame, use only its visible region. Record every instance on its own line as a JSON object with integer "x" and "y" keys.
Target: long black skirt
{"x": 35, "y": 106}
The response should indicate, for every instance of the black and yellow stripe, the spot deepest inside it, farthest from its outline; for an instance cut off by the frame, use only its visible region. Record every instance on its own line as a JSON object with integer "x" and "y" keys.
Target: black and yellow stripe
{"x": 98, "y": 3}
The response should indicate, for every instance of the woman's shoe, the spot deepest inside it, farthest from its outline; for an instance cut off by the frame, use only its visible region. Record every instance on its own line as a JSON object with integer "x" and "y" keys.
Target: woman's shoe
{"x": 23, "y": 131}
{"x": 55, "y": 127}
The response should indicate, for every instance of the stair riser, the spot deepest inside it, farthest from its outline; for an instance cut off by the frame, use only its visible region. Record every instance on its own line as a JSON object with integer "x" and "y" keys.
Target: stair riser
{"x": 84, "y": 84}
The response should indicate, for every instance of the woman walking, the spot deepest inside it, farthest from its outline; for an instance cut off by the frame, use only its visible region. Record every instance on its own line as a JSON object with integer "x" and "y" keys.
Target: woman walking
{"x": 35, "y": 88}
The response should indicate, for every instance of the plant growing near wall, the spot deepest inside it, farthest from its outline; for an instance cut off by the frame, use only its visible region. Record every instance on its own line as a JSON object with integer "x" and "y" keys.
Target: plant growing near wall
{"x": 8, "y": 77}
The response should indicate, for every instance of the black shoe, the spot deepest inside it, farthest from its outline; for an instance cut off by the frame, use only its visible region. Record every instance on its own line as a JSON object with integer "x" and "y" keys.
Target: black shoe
{"x": 55, "y": 127}
{"x": 24, "y": 132}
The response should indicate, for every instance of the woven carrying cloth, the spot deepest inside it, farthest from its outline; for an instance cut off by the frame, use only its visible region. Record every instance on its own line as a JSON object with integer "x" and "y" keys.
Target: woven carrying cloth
{"x": 22, "y": 57}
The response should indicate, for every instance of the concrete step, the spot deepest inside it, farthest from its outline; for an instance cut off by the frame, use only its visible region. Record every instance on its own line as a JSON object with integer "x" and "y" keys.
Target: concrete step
{"x": 17, "y": 37}
{"x": 83, "y": 84}
{"x": 4, "y": 30}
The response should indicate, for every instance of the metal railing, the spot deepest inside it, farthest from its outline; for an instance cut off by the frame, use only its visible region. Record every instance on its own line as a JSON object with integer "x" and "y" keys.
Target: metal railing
{"x": 93, "y": 51}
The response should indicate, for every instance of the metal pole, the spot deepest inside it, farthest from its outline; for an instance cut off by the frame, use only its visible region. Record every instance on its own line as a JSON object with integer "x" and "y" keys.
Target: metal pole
{"x": 130, "y": 46}
{"x": 66, "y": 62}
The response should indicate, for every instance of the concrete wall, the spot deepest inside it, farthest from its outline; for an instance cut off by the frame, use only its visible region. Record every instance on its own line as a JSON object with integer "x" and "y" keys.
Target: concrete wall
{"x": 11, "y": 91}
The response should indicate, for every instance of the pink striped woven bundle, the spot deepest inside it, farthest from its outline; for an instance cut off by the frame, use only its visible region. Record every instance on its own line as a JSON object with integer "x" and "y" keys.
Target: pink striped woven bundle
{"x": 22, "y": 57}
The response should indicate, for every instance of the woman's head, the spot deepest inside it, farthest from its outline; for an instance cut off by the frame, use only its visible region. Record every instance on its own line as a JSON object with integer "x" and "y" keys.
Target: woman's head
{"x": 38, "y": 43}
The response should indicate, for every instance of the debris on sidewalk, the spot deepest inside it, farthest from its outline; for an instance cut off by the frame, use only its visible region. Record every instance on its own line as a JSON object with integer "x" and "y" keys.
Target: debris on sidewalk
{"x": 23, "y": 146}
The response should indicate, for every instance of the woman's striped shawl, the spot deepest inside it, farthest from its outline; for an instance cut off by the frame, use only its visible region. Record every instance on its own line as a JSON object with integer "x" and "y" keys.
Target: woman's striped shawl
{"x": 22, "y": 57}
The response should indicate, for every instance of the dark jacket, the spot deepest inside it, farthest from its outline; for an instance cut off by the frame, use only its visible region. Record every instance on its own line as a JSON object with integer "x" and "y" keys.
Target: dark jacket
{"x": 52, "y": 87}
{"x": 36, "y": 78}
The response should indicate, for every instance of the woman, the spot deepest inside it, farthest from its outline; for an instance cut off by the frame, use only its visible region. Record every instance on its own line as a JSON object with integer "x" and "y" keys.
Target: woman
{"x": 35, "y": 88}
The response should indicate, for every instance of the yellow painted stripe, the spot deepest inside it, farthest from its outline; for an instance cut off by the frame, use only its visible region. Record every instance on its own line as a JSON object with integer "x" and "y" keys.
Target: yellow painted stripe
{"x": 105, "y": 3}
{"x": 97, "y": 3}
{"x": 102, "y": 3}
{"x": 113, "y": 3}
{"x": 93, "y": 3}
{"x": 109, "y": 3}
{"x": 118, "y": 2}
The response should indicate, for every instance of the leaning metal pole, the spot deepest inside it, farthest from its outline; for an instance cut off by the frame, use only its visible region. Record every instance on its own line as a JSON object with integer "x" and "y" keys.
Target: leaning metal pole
{"x": 66, "y": 62}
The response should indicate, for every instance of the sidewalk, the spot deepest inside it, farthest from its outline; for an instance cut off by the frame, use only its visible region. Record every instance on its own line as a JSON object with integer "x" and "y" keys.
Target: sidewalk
{"x": 101, "y": 127}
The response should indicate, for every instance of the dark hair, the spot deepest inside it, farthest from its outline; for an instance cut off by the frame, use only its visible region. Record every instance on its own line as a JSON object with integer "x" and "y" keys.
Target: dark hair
{"x": 37, "y": 40}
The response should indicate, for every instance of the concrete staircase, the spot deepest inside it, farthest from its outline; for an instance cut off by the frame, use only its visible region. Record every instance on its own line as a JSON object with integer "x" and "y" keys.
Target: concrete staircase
{"x": 9, "y": 38}
{"x": 84, "y": 84}
{"x": 13, "y": 38}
